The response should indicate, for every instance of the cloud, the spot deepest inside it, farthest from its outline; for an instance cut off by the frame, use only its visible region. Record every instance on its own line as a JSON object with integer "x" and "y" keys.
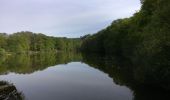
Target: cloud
{"x": 66, "y": 18}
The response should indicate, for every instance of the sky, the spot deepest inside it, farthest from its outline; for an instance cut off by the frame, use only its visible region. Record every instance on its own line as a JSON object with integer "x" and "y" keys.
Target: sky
{"x": 63, "y": 18}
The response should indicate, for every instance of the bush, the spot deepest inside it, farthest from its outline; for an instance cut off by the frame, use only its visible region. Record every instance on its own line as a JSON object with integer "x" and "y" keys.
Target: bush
{"x": 2, "y": 51}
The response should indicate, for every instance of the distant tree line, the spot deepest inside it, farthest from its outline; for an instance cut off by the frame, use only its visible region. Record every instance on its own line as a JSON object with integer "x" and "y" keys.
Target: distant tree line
{"x": 21, "y": 42}
{"x": 143, "y": 38}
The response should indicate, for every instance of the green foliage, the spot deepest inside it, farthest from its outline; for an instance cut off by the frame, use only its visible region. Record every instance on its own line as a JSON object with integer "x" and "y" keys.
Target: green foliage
{"x": 23, "y": 42}
{"x": 143, "y": 38}
{"x": 3, "y": 37}
{"x": 2, "y": 51}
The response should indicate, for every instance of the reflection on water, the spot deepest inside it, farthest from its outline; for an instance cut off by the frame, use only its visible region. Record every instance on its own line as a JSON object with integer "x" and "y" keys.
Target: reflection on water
{"x": 73, "y": 81}
{"x": 25, "y": 63}
{"x": 121, "y": 72}
{"x": 71, "y": 76}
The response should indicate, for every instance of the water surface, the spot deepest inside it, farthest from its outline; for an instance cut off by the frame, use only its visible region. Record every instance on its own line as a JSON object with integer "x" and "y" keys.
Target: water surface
{"x": 72, "y": 81}
{"x": 69, "y": 76}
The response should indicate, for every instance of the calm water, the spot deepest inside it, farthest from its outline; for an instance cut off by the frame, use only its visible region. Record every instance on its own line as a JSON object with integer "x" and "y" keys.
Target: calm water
{"x": 69, "y": 77}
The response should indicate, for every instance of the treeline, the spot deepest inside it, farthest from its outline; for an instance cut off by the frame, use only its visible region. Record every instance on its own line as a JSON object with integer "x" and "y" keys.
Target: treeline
{"x": 22, "y": 42}
{"x": 144, "y": 39}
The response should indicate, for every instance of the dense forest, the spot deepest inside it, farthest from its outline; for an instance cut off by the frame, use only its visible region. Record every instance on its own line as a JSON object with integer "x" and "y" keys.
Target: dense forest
{"x": 143, "y": 39}
{"x": 24, "y": 42}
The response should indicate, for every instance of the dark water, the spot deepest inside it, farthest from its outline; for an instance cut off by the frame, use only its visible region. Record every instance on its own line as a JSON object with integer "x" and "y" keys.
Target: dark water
{"x": 70, "y": 76}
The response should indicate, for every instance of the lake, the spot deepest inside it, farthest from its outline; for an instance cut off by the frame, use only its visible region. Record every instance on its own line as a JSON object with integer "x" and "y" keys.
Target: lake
{"x": 69, "y": 76}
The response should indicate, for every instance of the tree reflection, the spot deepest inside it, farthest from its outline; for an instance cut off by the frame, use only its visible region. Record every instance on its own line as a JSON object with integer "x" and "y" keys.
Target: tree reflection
{"x": 28, "y": 63}
{"x": 120, "y": 70}
{"x": 122, "y": 73}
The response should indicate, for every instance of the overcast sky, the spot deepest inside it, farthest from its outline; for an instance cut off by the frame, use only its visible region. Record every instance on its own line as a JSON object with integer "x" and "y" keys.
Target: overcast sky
{"x": 63, "y": 18}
